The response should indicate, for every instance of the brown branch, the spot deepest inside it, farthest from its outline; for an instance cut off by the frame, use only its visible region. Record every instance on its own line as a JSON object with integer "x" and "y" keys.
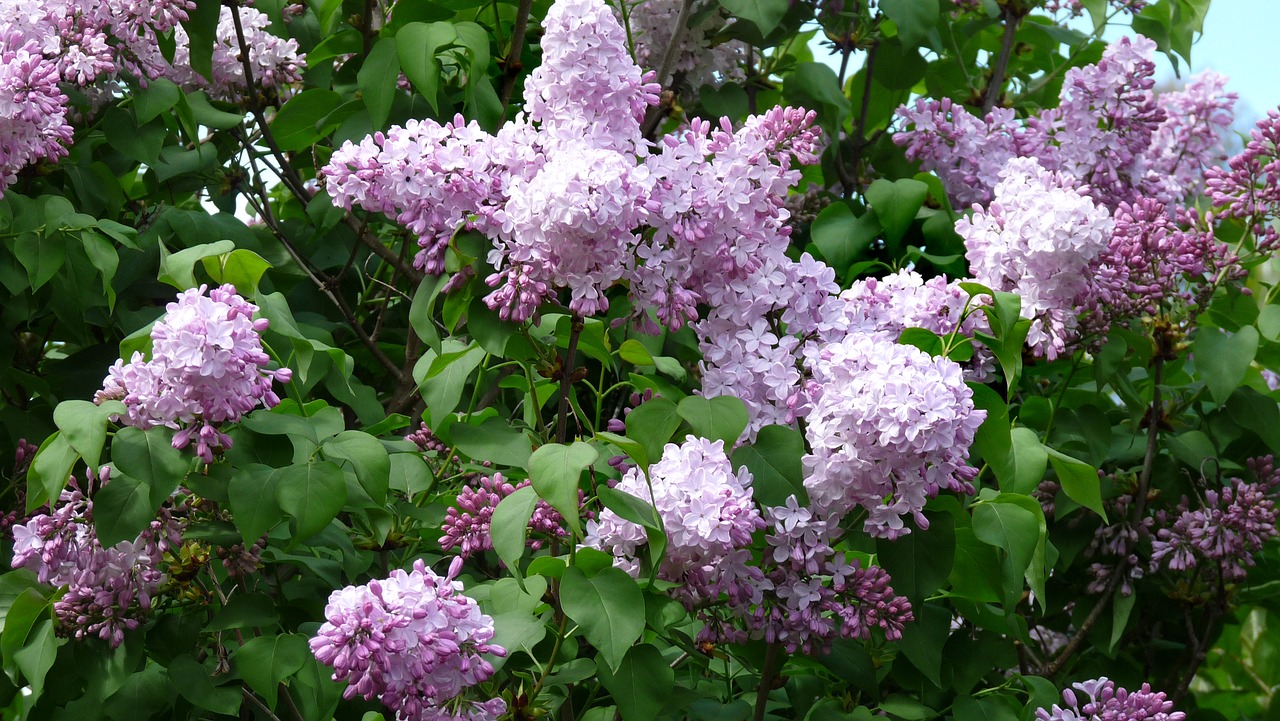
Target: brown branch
{"x": 667, "y": 102}
{"x": 511, "y": 65}
{"x": 767, "y": 673}
{"x": 996, "y": 84}
{"x": 566, "y": 379}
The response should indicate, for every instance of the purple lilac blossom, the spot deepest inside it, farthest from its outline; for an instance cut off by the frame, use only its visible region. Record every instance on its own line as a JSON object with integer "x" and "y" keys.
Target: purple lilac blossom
{"x": 1108, "y": 702}
{"x": 1227, "y": 531}
{"x": 1038, "y": 238}
{"x": 706, "y": 511}
{"x": 274, "y": 61}
{"x": 698, "y": 60}
{"x": 207, "y": 368}
{"x": 966, "y": 153}
{"x": 466, "y": 524}
{"x": 33, "y": 122}
{"x": 109, "y": 589}
{"x": 889, "y": 428}
{"x": 1249, "y": 187}
{"x": 413, "y": 640}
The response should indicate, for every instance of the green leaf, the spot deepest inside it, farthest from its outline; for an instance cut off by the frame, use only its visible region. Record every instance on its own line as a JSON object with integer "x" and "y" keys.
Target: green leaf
{"x": 651, "y": 425}
{"x": 634, "y": 352}
{"x": 722, "y": 418}
{"x": 445, "y": 380}
{"x": 122, "y": 509}
{"x": 253, "y": 501}
{"x": 176, "y": 269}
{"x": 377, "y": 80}
{"x": 608, "y": 607}
{"x": 245, "y": 610}
{"x": 84, "y": 425}
{"x": 1222, "y": 358}
{"x": 368, "y": 458}
{"x": 987, "y": 708}
{"x": 159, "y": 95}
{"x": 509, "y": 526}
{"x": 42, "y": 256}
{"x": 265, "y": 661}
{"x": 297, "y": 124}
{"x": 1023, "y": 468}
{"x": 493, "y": 440}
{"x": 201, "y": 26}
{"x": 638, "y": 511}
{"x": 149, "y": 456}
{"x": 192, "y": 682}
{"x": 141, "y": 695}
{"x": 841, "y": 237}
{"x": 920, "y": 561}
{"x": 241, "y": 267}
{"x": 420, "y": 310}
{"x": 1269, "y": 322}
{"x": 416, "y": 46}
{"x": 49, "y": 470}
{"x": 26, "y": 610}
{"x": 774, "y": 460}
{"x": 914, "y": 18}
{"x": 37, "y": 656}
{"x": 312, "y": 494}
{"x": 642, "y": 684}
{"x": 764, "y": 14}
{"x": 896, "y": 203}
{"x": 555, "y": 470}
{"x": 1121, "y": 607}
{"x": 1079, "y": 481}
{"x": 1008, "y": 527}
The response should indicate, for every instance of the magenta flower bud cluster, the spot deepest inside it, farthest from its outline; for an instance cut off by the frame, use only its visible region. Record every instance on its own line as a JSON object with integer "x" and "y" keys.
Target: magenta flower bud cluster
{"x": 412, "y": 640}
{"x": 1110, "y": 135}
{"x": 466, "y": 524}
{"x": 1227, "y": 531}
{"x": 109, "y": 590}
{"x": 1101, "y": 699}
{"x": 207, "y": 368}
{"x": 1249, "y": 187}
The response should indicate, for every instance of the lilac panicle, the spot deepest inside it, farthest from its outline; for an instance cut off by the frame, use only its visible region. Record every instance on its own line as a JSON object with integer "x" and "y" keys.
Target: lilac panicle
{"x": 1105, "y": 701}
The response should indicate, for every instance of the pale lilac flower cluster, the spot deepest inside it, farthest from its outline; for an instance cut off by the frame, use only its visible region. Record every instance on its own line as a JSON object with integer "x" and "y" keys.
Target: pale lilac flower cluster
{"x": 207, "y": 368}
{"x": 890, "y": 426}
{"x": 810, "y": 594}
{"x": 1109, "y": 702}
{"x": 109, "y": 590}
{"x": 1227, "y": 531}
{"x": 33, "y": 118}
{"x": 1038, "y": 238}
{"x": 275, "y": 62}
{"x": 466, "y": 524}
{"x": 697, "y": 60}
{"x": 706, "y": 511}
{"x": 1111, "y": 136}
{"x": 413, "y": 640}
{"x": 902, "y": 300}
{"x": 1249, "y": 187}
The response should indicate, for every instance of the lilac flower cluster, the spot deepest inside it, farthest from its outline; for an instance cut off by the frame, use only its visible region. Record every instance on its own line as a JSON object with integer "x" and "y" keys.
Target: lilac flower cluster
{"x": 466, "y": 524}
{"x": 567, "y": 193}
{"x": 707, "y": 514}
{"x": 1037, "y": 238}
{"x": 697, "y": 60}
{"x": 1226, "y": 531}
{"x": 1110, "y": 135}
{"x": 889, "y": 428}
{"x": 109, "y": 589}
{"x": 207, "y": 367}
{"x": 810, "y": 594}
{"x": 33, "y": 117}
{"x": 1249, "y": 187}
{"x": 413, "y": 640}
{"x": 275, "y": 62}
{"x": 1109, "y": 702}
{"x": 901, "y": 300}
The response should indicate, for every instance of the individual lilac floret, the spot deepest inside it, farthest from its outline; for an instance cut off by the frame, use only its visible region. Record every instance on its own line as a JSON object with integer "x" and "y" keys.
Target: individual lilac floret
{"x": 706, "y": 511}
{"x": 1109, "y": 702}
{"x": 902, "y": 300}
{"x": 33, "y": 122}
{"x": 466, "y": 525}
{"x": 808, "y": 594}
{"x": 890, "y": 427}
{"x": 109, "y": 590}
{"x": 1232, "y": 526}
{"x": 207, "y": 368}
{"x": 1037, "y": 238}
{"x": 967, "y": 153}
{"x": 413, "y": 640}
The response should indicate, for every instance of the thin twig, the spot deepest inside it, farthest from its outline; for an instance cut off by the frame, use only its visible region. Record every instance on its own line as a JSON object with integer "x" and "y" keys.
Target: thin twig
{"x": 767, "y": 672}
{"x": 253, "y": 698}
{"x": 667, "y": 102}
{"x": 996, "y": 84}
{"x": 511, "y": 65}
{"x": 566, "y": 379}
